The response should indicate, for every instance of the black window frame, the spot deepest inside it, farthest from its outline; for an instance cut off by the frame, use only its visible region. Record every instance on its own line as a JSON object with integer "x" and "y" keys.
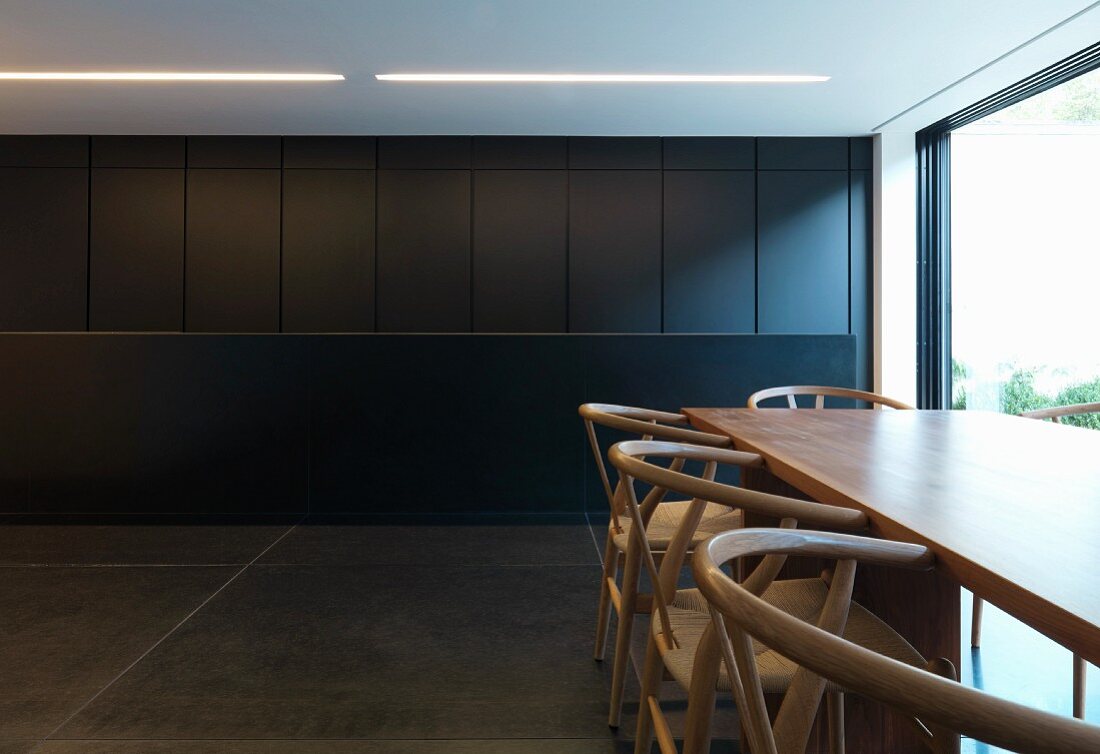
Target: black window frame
{"x": 933, "y": 144}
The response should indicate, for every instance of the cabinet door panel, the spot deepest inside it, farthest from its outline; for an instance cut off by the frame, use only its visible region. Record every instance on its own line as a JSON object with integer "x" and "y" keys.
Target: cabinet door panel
{"x": 615, "y": 251}
{"x": 234, "y": 152}
{"x": 803, "y": 251}
{"x": 520, "y": 152}
{"x": 709, "y": 153}
{"x": 232, "y": 271}
{"x": 328, "y": 251}
{"x": 520, "y": 239}
{"x": 44, "y": 151}
{"x": 614, "y": 152}
{"x": 136, "y": 274}
{"x": 424, "y": 251}
{"x": 336, "y": 152}
{"x": 710, "y": 251}
{"x": 424, "y": 152}
{"x": 43, "y": 249}
{"x": 802, "y": 153}
{"x": 139, "y": 152}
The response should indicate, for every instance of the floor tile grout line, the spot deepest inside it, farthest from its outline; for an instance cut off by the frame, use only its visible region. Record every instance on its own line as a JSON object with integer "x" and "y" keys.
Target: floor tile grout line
{"x": 161, "y": 640}
{"x": 17, "y": 566}
{"x": 398, "y": 564}
{"x": 324, "y": 740}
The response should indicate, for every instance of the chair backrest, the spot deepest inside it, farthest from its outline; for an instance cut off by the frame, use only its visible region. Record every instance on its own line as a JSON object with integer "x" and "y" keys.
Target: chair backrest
{"x": 941, "y": 707}
{"x": 634, "y": 461}
{"x": 641, "y": 422}
{"x": 1056, "y": 413}
{"x": 820, "y": 392}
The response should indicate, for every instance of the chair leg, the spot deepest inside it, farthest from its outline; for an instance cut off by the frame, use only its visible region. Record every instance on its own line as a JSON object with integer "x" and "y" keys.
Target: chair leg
{"x": 976, "y": 623}
{"x": 652, "y": 675}
{"x": 610, "y": 571}
{"x": 1080, "y": 668}
{"x": 702, "y": 695}
{"x": 627, "y": 601}
{"x": 835, "y": 705}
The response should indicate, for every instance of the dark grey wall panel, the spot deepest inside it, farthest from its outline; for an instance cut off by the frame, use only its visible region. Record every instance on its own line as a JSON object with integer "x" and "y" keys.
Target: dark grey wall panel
{"x": 643, "y": 220}
{"x": 519, "y": 262}
{"x": 44, "y": 151}
{"x": 640, "y": 370}
{"x": 328, "y": 251}
{"x": 374, "y": 382}
{"x": 360, "y": 443}
{"x": 614, "y": 152}
{"x": 234, "y": 151}
{"x": 803, "y": 251}
{"x": 709, "y": 153}
{"x": 453, "y": 378}
{"x": 136, "y": 274}
{"x": 139, "y": 151}
{"x": 861, "y": 152}
{"x": 862, "y": 277}
{"x": 423, "y": 251}
{"x": 801, "y": 153}
{"x": 520, "y": 152}
{"x": 424, "y": 152}
{"x": 710, "y": 251}
{"x": 161, "y": 423}
{"x": 615, "y": 251}
{"x": 43, "y": 248}
{"x": 334, "y": 152}
{"x": 271, "y": 424}
{"x": 16, "y": 420}
{"x": 232, "y": 269}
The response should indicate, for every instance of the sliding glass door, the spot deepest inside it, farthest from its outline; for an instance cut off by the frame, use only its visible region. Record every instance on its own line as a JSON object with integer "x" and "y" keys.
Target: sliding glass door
{"x": 1025, "y": 253}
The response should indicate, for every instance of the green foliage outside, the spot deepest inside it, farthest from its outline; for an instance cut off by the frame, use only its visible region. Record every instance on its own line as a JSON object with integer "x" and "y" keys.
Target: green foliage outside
{"x": 1075, "y": 102}
{"x": 1019, "y": 394}
{"x": 959, "y": 372}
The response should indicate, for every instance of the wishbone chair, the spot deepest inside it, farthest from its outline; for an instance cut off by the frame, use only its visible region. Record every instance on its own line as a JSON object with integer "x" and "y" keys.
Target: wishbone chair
{"x": 940, "y": 708}
{"x": 620, "y": 551}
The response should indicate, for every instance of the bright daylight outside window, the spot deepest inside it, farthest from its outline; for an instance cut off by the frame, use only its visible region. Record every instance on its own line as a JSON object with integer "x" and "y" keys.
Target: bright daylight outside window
{"x": 1025, "y": 254}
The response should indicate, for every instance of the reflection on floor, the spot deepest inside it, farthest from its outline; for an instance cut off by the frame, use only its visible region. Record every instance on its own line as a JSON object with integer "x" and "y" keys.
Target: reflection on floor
{"x": 1020, "y": 664}
{"x": 324, "y": 638}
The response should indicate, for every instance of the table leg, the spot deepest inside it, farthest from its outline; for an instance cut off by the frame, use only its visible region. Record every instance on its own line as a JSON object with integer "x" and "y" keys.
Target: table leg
{"x": 922, "y": 606}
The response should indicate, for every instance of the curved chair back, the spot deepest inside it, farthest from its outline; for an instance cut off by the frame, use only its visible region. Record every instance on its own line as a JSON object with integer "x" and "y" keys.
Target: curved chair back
{"x": 942, "y": 708}
{"x": 641, "y": 422}
{"x": 820, "y": 392}
{"x": 1056, "y": 413}
{"x": 634, "y": 461}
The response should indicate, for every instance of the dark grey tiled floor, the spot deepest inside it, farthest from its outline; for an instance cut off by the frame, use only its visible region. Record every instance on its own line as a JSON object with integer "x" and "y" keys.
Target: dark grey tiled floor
{"x": 17, "y": 747}
{"x": 356, "y": 543}
{"x": 389, "y": 652}
{"x": 481, "y": 746}
{"x": 65, "y": 633}
{"x": 1017, "y": 663}
{"x": 145, "y": 543}
{"x": 335, "y": 638}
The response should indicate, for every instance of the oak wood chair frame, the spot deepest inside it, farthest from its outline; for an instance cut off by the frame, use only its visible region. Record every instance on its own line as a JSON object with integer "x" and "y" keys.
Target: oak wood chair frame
{"x": 820, "y": 392}
{"x": 630, "y": 458}
{"x": 1080, "y": 667}
{"x": 626, "y": 599}
{"x": 940, "y": 707}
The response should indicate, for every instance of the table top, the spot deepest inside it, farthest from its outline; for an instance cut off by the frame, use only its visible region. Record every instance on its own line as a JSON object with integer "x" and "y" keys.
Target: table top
{"x": 1010, "y": 506}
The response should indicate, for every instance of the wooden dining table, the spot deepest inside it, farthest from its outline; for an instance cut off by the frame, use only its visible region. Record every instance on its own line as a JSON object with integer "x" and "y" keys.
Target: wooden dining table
{"x": 1009, "y": 506}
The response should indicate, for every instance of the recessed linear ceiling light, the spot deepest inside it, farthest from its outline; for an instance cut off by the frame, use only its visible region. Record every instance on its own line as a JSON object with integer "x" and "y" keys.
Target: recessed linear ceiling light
{"x": 162, "y": 76}
{"x": 597, "y": 78}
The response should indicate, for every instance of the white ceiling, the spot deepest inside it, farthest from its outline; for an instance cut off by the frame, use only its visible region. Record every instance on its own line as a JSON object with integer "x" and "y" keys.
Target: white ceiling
{"x": 884, "y": 57}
